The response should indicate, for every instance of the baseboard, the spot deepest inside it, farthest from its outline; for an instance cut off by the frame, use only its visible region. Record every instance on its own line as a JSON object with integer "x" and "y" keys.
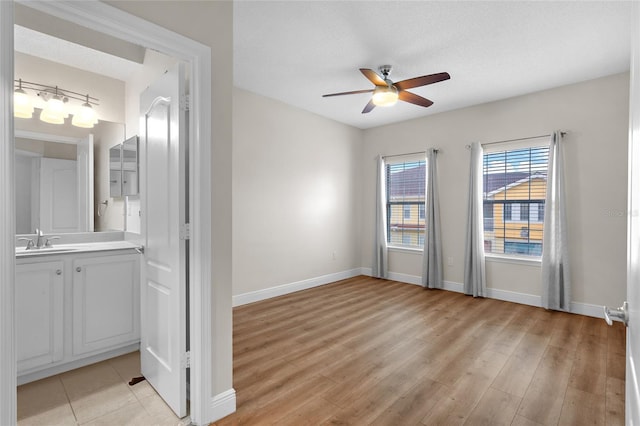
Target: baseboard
{"x": 77, "y": 363}
{"x": 405, "y": 278}
{"x": 222, "y": 405}
{"x": 587, "y": 309}
{"x": 498, "y": 294}
{"x": 267, "y": 293}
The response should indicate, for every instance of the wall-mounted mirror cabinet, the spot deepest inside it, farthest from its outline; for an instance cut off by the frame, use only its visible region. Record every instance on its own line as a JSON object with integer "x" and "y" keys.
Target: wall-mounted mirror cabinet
{"x": 123, "y": 168}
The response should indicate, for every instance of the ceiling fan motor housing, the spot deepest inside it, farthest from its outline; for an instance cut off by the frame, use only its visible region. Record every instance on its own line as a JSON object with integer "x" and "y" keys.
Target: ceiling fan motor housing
{"x": 385, "y": 70}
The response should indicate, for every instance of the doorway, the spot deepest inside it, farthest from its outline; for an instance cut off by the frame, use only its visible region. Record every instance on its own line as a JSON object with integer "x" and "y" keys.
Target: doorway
{"x": 111, "y": 21}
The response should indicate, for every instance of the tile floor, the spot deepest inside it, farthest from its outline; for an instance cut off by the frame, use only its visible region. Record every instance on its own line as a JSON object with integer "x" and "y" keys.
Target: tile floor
{"x": 97, "y": 394}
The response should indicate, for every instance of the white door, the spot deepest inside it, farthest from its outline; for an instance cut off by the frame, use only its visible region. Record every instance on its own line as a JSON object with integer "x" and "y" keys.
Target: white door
{"x": 163, "y": 289}
{"x": 632, "y": 397}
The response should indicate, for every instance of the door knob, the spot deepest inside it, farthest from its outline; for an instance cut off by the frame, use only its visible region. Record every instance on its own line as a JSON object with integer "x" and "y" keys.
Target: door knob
{"x": 619, "y": 314}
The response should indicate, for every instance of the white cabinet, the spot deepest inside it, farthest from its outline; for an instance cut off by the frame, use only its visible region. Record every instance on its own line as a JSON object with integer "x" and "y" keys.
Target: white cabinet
{"x": 39, "y": 295}
{"x": 75, "y": 309}
{"x": 106, "y": 301}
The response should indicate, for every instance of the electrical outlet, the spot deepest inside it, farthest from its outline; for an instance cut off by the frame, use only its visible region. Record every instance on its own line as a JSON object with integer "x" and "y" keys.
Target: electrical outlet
{"x": 333, "y": 255}
{"x": 450, "y": 261}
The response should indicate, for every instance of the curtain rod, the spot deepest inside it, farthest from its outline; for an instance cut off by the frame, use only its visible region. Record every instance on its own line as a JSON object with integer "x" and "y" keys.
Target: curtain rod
{"x": 408, "y": 153}
{"x": 518, "y": 139}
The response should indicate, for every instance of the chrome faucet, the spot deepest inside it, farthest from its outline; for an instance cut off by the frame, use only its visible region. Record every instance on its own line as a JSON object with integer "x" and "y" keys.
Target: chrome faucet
{"x": 41, "y": 241}
{"x": 39, "y": 238}
{"x": 29, "y": 243}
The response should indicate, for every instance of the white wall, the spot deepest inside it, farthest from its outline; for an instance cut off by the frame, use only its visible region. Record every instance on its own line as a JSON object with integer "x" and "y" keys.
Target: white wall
{"x": 595, "y": 113}
{"x": 105, "y": 136}
{"x": 296, "y": 186}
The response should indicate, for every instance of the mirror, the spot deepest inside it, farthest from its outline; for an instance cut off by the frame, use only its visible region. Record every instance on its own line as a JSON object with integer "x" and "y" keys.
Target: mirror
{"x": 56, "y": 190}
{"x": 115, "y": 171}
{"x": 123, "y": 168}
{"x": 130, "y": 166}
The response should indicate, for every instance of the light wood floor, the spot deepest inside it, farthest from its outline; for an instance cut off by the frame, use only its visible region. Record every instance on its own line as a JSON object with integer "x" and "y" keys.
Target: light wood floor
{"x": 368, "y": 351}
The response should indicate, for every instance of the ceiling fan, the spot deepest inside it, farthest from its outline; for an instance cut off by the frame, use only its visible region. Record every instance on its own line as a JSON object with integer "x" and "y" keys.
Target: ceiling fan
{"x": 387, "y": 93}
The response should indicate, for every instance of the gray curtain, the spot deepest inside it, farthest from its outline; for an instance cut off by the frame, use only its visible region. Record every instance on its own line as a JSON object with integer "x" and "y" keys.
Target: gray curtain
{"x": 380, "y": 263}
{"x": 474, "y": 273}
{"x": 556, "y": 282}
{"x": 432, "y": 250}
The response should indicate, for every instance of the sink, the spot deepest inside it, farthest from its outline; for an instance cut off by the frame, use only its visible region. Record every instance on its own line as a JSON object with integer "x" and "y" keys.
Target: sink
{"x": 22, "y": 251}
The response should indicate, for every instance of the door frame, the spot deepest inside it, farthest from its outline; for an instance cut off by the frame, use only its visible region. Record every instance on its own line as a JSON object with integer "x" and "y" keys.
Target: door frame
{"x": 115, "y": 22}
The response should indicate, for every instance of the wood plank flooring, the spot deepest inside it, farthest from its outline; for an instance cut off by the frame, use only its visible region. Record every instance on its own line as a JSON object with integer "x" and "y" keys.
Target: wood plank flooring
{"x": 370, "y": 351}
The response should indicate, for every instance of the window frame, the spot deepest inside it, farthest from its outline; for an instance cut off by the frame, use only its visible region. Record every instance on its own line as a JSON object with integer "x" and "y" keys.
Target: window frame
{"x": 515, "y": 212}
{"x": 419, "y": 228}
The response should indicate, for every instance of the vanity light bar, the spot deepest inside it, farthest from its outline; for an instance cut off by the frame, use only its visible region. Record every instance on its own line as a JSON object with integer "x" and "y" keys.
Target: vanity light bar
{"x": 54, "y": 110}
{"x": 47, "y": 91}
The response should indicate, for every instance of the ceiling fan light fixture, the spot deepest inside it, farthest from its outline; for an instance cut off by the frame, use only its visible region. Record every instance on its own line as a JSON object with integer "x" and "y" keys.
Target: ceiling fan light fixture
{"x": 385, "y": 96}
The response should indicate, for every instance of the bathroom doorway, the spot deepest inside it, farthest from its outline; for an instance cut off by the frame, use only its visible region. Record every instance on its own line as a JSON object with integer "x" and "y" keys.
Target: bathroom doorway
{"x": 100, "y": 17}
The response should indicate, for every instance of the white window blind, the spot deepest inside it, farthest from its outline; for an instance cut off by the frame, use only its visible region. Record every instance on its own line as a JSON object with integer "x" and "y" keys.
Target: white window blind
{"x": 514, "y": 190}
{"x": 405, "y": 195}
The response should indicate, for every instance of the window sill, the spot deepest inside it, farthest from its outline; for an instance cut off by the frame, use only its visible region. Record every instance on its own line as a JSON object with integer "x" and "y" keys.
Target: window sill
{"x": 404, "y": 249}
{"x": 519, "y": 260}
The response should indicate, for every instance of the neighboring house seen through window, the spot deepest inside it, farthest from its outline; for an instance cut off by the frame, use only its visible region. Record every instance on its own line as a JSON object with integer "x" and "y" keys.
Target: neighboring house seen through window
{"x": 405, "y": 198}
{"x": 514, "y": 190}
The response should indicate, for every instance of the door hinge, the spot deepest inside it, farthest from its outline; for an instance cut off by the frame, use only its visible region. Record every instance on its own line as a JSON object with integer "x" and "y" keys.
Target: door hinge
{"x": 185, "y": 232}
{"x": 186, "y": 362}
{"x": 184, "y": 102}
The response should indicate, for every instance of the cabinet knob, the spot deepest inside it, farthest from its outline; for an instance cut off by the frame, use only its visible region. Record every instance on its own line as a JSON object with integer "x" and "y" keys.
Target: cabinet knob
{"x": 78, "y": 269}
{"x": 59, "y": 272}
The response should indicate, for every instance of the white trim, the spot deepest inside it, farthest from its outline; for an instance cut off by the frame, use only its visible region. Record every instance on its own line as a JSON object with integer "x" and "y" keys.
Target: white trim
{"x": 405, "y": 278}
{"x": 267, "y": 293}
{"x": 223, "y": 404}
{"x": 47, "y": 137}
{"x": 117, "y": 23}
{"x": 587, "y": 309}
{"x": 498, "y": 294}
{"x": 72, "y": 365}
{"x": 8, "y": 398}
{"x": 519, "y": 260}
{"x": 515, "y": 297}
{"x": 401, "y": 249}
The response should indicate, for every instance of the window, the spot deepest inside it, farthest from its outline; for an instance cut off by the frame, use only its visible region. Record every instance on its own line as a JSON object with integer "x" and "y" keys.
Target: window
{"x": 405, "y": 198}
{"x": 514, "y": 190}
{"x": 406, "y": 211}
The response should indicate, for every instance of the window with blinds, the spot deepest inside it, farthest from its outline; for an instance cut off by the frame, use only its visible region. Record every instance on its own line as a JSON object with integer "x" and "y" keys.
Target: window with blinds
{"x": 514, "y": 190}
{"x": 405, "y": 194}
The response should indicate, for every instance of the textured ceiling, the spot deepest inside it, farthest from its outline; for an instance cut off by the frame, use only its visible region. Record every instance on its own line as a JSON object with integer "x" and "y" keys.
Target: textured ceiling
{"x": 297, "y": 51}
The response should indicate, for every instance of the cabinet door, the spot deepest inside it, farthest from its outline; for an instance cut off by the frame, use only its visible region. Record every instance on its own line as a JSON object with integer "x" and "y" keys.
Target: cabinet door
{"x": 106, "y": 302}
{"x": 39, "y": 313}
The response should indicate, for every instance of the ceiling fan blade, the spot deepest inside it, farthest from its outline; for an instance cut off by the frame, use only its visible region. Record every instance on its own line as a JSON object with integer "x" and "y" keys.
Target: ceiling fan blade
{"x": 369, "y": 107}
{"x": 414, "y": 99}
{"x": 373, "y": 76}
{"x": 422, "y": 81}
{"x": 348, "y": 93}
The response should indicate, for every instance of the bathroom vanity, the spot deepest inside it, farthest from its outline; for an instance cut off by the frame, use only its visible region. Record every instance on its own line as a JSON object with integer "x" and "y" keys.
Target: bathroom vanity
{"x": 76, "y": 304}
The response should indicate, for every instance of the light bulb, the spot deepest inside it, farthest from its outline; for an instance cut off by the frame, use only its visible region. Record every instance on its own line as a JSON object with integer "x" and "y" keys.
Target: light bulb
{"x": 385, "y": 95}
{"x": 54, "y": 112}
{"x": 86, "y": 117}
{"x": 22, "y": 106}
